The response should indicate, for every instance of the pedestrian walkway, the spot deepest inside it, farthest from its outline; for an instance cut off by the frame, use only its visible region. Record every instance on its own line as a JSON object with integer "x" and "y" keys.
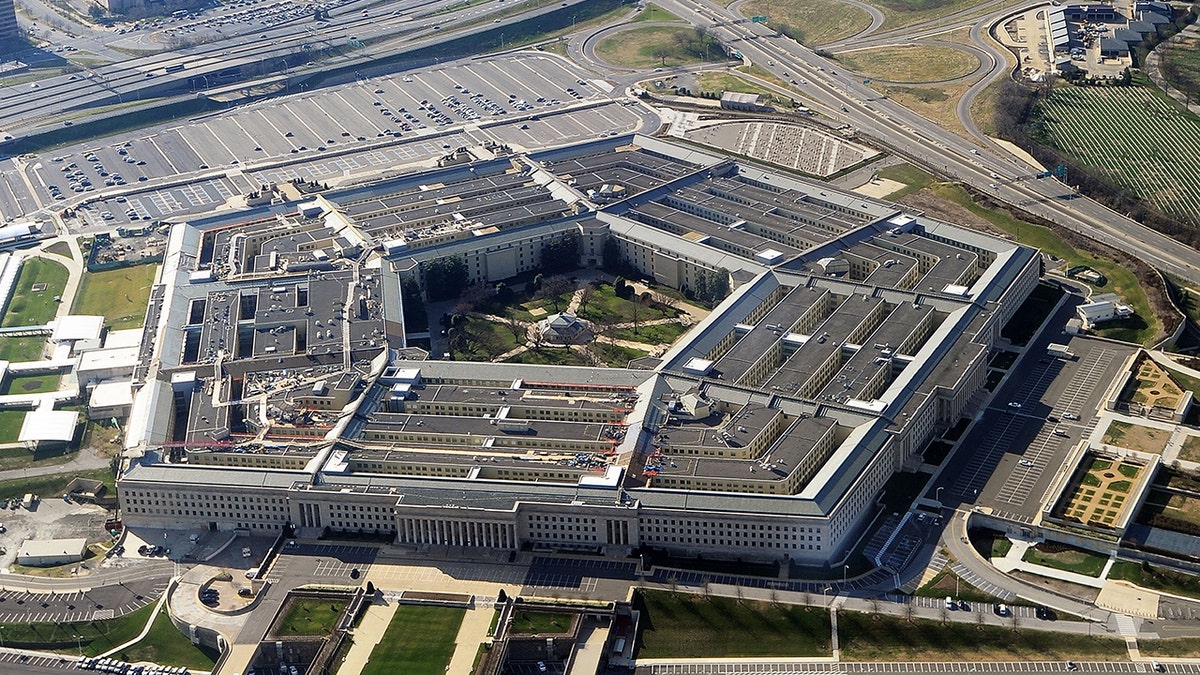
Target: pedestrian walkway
{"x": 368, "y": 633}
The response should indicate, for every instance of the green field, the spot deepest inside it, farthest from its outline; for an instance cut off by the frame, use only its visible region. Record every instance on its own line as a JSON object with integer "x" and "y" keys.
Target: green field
{"x": 549, "y": 356}
{"x": 658, "y": 46}
{"x": 1136, "y": 136}
{"x": 53, "y": 485}
{"x": 22, "y": 348}
{"x": 311, "y": 616}
{"x": 10, "y": 426}
{"x": 532, "y": 623}
{"x": 418, "y": 641}
{"x": 89, "y": 637}
{"x": 915, "y": 64}
{"x": 164, "y": 644}
{"x": 1066, "y": 558}
{"x": 119, "y": 295}
{"x": 873, "y": 637}
{"x": 29, "y": 307}
{"x": 690, "y": 626}
{"x": 30, "y": 384}
{"x": 1156, "y": 578}
{"x": 812, "y": 22}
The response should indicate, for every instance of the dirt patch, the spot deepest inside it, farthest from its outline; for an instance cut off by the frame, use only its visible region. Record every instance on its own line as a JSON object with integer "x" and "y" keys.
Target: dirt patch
{"x": 1137, "y": 437}
{"x": 1084, "y": 593}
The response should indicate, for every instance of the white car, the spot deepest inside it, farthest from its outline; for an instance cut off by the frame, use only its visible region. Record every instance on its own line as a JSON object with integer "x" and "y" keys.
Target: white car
{"x": 1014, "y": 404}
{"x": 1025, "y": 462}
{"x": 1070, "y": 416}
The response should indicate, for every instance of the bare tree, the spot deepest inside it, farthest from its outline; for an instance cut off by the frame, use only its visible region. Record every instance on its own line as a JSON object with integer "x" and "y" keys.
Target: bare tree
{"x": 874, "y": 600}
{"x": 1014, "y": 620}
{"x": 979, "y": 618}
{"x": 774, "y": 597}
{"x": 910, "y": 611}
{"x": 741, "y": 593}
{"x": 665, "y": 303}
{"x": 945, "y": 614}
{"x": 707, "y": 591}
{"x": 519, "y": 330}
{"x": 661, "y": 53}
{"x": 553, "y": 288}
{"x": 673, "y": 583}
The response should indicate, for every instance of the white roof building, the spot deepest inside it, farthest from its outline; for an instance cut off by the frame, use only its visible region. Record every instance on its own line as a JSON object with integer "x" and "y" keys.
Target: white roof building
{"x": 46, "y": 552}
{"x": 83, "y": 332}
{"x": 48, "y": 426}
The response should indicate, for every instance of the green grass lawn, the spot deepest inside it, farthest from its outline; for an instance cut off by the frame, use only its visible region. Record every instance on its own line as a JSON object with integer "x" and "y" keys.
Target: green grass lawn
{"x": 1173, "y": 647}
{"x": 94, "y": 637}
{"x": 311, "y": 616}
{"x": 30, "y": 384}
{"x": 690, "y": 626}
{"x": 615, "y": 356}
{"x": 10, "y": 425}
{"x": 18, "y": 458}
{"x": 872, "y": 637}
{"x": 949, "y": 583}
{"x": 29, "y": 307}
{"x": 530, "y": 623}
{"x": 656, "y": 46}
{"x": 164, "y": 644}
{"x": 657, "y": 334}
{"x": 812, "y": 22}
{"x": 53, "y": 485}
{"x": 915, "y": 64}
{"x": 19, "y": 349}
{"x": 1066, "y": 558}
{"x": 1156, "y": 578}
{"x": 60, "y": 248}
{"x": 418, "y": 641}
{"x": 914, "y": 179}
{"x": 1121, "y": 280}
{"x": 119, "y": 295}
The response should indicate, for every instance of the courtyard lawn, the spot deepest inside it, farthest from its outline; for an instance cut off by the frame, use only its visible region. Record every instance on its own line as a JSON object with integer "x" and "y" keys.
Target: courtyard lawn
{"x": 691, "y": 626}
{"x": 549, "y": 356}
{"x": 119, "y": 295}
{"x": 30, "y": 307}
{"x": 10, "y": 426}
{"x": 532, "y": 623}
{"x": 311, "y": 616}
{"x": 30, "y": 384}
{"x": 418, "y": 641}
{"x": 615, "y": 356}
{"x": 19, "y": 349}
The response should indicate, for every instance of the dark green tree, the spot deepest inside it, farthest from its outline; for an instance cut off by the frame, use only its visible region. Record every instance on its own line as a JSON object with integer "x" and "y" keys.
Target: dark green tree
{"x": 561, "y": 255}
{"x": 445, "y": 278}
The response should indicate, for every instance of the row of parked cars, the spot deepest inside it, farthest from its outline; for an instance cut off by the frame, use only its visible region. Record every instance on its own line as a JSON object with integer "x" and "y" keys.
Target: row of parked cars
{"x": 122, "y": 668}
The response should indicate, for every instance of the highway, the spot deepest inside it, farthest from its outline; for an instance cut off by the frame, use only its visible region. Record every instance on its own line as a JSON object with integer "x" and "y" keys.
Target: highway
{"x": 405, "y": 25}
{"x": 929, "y": 145}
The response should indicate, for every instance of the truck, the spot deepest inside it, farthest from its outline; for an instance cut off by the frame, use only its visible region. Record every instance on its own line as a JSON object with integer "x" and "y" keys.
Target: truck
{"x": 28, "y": 500}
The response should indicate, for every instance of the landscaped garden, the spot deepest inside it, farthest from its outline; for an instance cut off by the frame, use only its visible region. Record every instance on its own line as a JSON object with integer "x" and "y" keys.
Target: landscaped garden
{"x": 310, "y": 616}
{"x": 1102, "y": 492}
{"x": 37, "y": 293}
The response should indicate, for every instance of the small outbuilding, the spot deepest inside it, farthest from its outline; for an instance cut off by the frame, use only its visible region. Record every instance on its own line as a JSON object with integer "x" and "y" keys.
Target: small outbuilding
{"x": 738, "y": 100}
{"x": 49, "y": 552}
{"x": 45, "y": 428}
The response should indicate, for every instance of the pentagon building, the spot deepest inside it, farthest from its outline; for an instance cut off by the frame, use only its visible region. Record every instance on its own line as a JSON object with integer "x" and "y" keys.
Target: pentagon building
{"x": 277, "y": 387}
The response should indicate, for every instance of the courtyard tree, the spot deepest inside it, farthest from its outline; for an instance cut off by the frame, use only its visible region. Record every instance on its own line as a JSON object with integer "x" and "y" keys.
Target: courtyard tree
{"x": 445, "y": 278}
{"x": 561, "y": 255}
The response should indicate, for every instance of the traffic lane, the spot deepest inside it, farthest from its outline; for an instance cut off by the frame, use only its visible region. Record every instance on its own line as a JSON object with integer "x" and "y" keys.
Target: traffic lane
{"x": 1088, "y": 217}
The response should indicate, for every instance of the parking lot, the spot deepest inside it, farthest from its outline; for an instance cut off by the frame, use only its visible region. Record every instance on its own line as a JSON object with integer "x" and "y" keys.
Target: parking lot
{"x": 362, "y": 129}
{"x": 1045, "y": 406}
{"x": 88, "y": 605}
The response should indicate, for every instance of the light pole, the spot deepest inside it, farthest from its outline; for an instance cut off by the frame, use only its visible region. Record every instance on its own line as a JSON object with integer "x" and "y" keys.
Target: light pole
{"x": 845, "y": 571}
{"x": 937, "y": 494}
{"x": 79, "y": 644}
